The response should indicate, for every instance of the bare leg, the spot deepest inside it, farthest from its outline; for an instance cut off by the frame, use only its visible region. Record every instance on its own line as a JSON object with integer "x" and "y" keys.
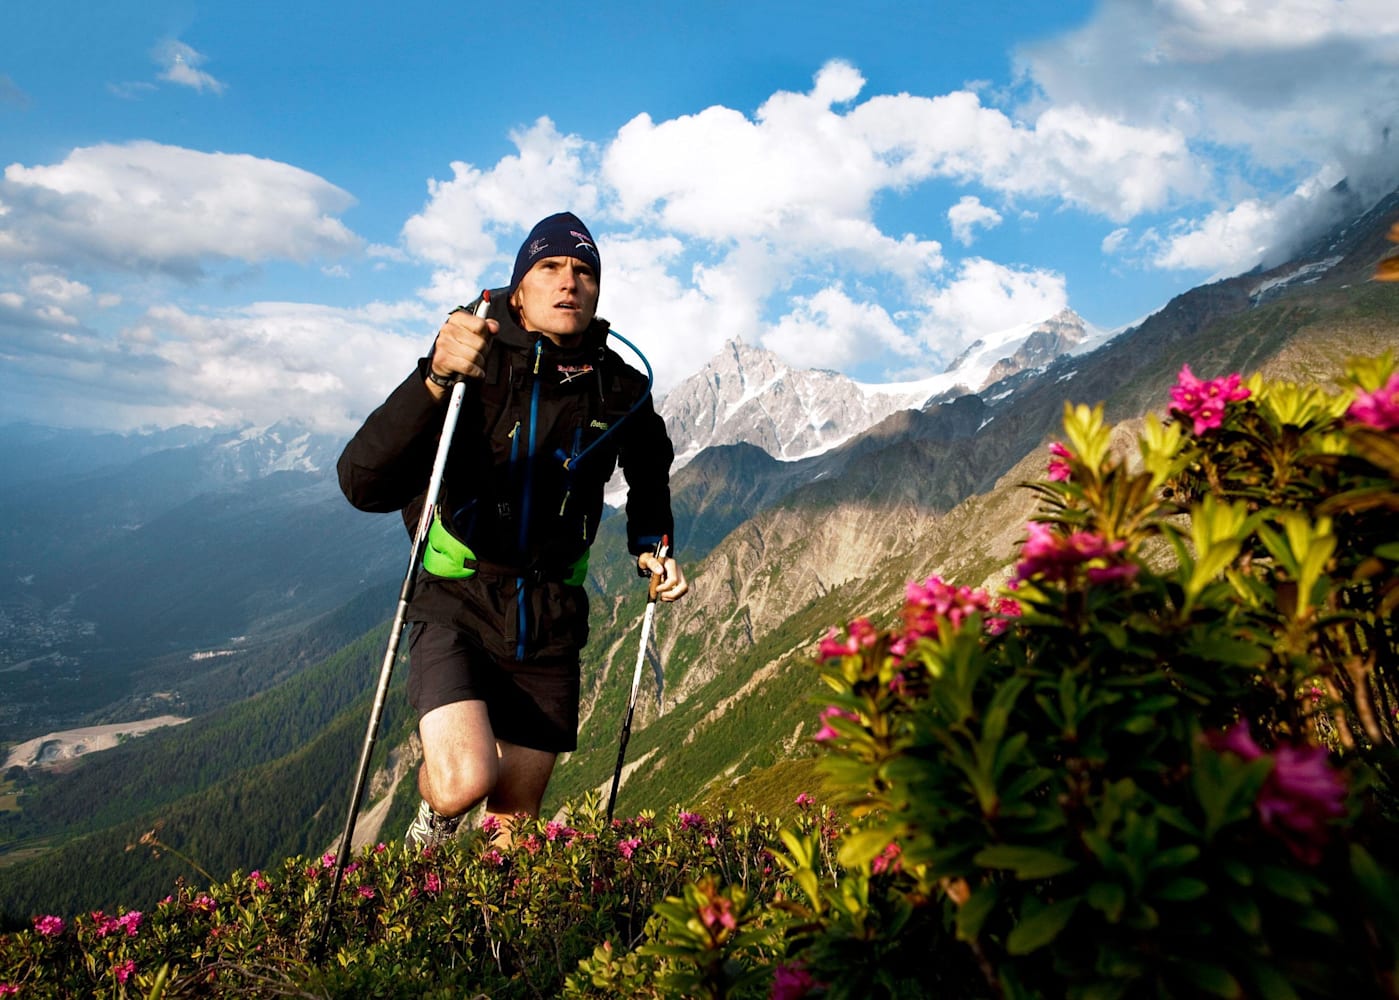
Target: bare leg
{"x": 461, "y": 765}
{"x": 523, "y": 776}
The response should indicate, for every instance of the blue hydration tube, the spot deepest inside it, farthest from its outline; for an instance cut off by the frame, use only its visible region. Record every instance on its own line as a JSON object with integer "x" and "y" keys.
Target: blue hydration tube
{"x": 569, "y": 462}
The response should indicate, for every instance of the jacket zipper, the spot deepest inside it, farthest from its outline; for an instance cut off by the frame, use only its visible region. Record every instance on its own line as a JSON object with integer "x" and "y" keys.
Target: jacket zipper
{"x": 522, "y": 598}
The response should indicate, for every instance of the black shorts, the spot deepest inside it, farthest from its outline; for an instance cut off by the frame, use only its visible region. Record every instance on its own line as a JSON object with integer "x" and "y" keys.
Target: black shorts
{"x": 532, "y": 705}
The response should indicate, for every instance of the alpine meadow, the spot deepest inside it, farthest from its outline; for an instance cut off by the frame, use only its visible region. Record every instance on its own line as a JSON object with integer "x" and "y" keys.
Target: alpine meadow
{"x": 1076, "y": 676}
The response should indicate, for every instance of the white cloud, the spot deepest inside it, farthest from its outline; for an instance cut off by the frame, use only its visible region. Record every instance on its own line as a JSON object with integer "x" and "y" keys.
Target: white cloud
{"x": 1292, "y": 85}
{"x": 987, "y": 298}
{"x": 831, "y": 330}
{"x": 1113, "y": 241}
{"x": 268, "y": 361}
{"x": 458, "y": 229}
{"x": 148, "y": 207}
{"x": 180, "y": 65}
{"x": 969, "y": 214}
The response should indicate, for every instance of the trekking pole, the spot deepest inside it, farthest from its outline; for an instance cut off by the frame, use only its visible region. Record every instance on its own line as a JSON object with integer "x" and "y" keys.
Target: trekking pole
{"x": 661, "y": 550}
{"x": 405, "y": 595}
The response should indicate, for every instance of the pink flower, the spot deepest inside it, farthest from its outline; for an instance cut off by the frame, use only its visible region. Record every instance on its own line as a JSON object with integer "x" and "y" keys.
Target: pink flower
{"x": 380, "y": 847}
{"x": 553, "y": 831}
{"x": 718, "y": 911}
{"x": 1302, "y": 793}
{"x": 691, "y": 821}
{"x": 827, "y": 732}
{"x": 493, "y": 857}
{"x": 490, "y": 824}
{"x": 49, "y": 926}
{"x": 804, "y": 800}
{"x": 8, "y": 990}
{"x": 1006, "y": 609}
{"x": 124, "y": 971}
{"x": 259, "y": 883}
{"x": 328, "y": 859}
{"x": 1056, "y": 557}
{"x": 931, "y": 602}
{"x": 432, "y": 883}
{"x": 1203, "y": 402}
{"x": 365, "y": 892}
{"x": 791, "y": 982}
{"x": 1059, "y": 469}
{"x": 888, "y": 859}
{"x": 1378, "y": 409}
{"x": 860, "y": 634}
{"x": 628, "y": 847}
{"x": 204, "y": 904}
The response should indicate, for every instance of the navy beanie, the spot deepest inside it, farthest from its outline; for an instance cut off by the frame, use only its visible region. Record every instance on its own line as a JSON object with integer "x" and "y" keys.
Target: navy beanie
{"x": 561, "y": 235}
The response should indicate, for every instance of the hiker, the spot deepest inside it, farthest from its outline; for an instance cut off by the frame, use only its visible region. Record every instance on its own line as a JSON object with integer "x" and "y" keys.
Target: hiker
{"x": 499, "y": 612}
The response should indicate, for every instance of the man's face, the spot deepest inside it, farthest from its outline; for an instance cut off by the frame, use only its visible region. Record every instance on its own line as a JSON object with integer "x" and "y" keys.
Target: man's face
{"x": 557, "y": 297}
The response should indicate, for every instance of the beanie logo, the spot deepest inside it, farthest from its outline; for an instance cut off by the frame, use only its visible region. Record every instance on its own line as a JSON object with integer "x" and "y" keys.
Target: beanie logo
{"x": 585, "y": 242}
{"x": 538, "y": 246}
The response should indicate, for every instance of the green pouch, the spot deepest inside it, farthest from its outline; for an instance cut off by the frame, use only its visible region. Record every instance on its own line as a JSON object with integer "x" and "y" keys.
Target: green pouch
{"x": 445, "y": 555}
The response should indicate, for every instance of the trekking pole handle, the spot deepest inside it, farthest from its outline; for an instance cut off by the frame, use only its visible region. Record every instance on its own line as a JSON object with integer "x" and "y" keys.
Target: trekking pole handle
{"x": 662, "y": 550}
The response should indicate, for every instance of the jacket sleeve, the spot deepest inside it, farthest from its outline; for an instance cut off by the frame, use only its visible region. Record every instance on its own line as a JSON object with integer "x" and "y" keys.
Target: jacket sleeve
{"x": 645, "y": 457}
{"x": 388, "y": 461}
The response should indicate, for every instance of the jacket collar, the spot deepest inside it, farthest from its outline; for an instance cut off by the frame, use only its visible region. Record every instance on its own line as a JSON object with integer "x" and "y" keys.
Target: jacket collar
{"x": 511, "y": 334}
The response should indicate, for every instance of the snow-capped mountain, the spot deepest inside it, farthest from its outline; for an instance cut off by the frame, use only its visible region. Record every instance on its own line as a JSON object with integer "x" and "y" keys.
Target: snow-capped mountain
{"x": 285, "y": 446}
{"x": 748, "y": 395}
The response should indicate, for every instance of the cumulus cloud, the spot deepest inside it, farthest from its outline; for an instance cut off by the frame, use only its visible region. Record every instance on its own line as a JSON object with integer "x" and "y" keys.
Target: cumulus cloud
{"x": 1291, "y": 85}
{"x": 467, "y": 220}
{"x": 831, "y": 330}
{"x": 968, "y": 215}
{"x": 143, "y": 206}
{"x": 258, "y": 364}
{"x": 986, "y": 298}
{"x": 180, "y": 65}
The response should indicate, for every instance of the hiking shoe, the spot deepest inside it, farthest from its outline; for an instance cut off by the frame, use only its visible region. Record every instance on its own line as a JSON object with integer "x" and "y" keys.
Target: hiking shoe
{"x": 428, "y": 829}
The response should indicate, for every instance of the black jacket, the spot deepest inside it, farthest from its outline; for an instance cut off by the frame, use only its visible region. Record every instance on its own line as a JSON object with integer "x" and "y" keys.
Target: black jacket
{"x": 506, "y": 491}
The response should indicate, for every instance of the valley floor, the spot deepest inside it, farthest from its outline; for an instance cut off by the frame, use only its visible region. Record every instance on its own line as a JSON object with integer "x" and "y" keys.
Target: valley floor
{"x": 72, "y": 743}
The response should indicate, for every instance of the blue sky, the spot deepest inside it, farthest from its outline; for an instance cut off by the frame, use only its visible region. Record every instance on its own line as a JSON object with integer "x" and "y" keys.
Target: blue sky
{"x": 224, "y": 214}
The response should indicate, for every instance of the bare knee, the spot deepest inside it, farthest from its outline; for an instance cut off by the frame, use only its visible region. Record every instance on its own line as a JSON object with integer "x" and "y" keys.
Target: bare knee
{"x": 460, "y": 764}
{"x": 454, "y": 786}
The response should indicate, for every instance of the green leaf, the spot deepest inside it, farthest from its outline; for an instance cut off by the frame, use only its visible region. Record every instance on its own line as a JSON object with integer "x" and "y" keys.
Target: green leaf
{"x": 859, "y": 849}
{"x": 1286, "y": 884}
{"x": 1026, "y": 862}
{"x": 1108, "y": 898}
{"x": 1212, "y": 979}
{"x": 972, "y": 914}
{"x": 1246, "y": 914}
{"x": 1182, "y": 890}
{"x": 1039, "y": 929}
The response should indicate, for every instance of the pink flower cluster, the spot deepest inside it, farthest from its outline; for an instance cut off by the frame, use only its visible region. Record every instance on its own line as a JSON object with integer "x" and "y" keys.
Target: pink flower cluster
{"x": 1378, "y": 409}
{"x": 258, "y": 881}
{"x": 555, "y": 831}
{"x": 1302, "y": 794}
{"x": 1059, "y": 469}
{"x": 718, "y": 911}
{"x": 130, "y": 922}
{"x": 1203, "y": 401}
{"x": 691, "y": 821}
{"x": 628, "y": 847}
{"x": 928, "y": 603}
{"x": 8, "y": 990}
{"x": 888, "y": 859}
{"x": 1053, "y": 556}
{"x": 859, "y": 634}
{"x": 792, "y": 982}
{"x": 124, "y": 970}
{"x": 49, "y": 926}
{"x": 827, "y": 731}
